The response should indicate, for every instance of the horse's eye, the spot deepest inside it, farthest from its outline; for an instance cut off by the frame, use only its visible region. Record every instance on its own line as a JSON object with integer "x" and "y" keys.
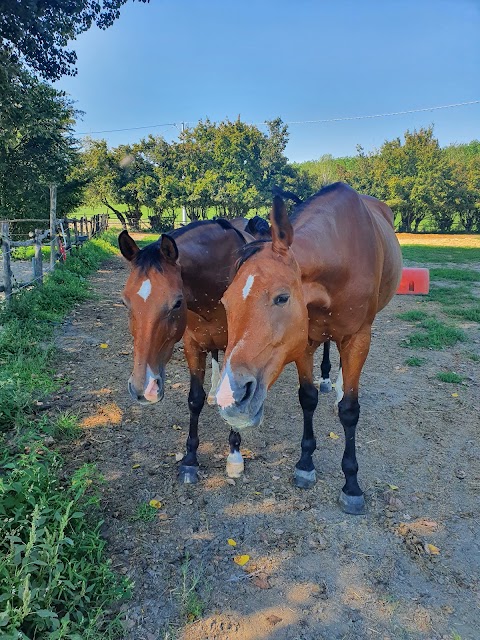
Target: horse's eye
{"x": 282, "y": 299}
{"x": 178, "y": 304}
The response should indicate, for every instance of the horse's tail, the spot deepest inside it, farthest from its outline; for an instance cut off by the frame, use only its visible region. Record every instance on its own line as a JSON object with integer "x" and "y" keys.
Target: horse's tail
{"x": 277, "y": 191}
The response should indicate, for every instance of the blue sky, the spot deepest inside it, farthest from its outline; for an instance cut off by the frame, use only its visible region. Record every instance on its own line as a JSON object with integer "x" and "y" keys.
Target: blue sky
{"x": 183, "y": 60}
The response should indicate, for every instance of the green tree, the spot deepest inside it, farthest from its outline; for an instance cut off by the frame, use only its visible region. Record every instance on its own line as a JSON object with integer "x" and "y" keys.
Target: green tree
{"x": 37, "y": 32}
{"x": 37, "y": 146}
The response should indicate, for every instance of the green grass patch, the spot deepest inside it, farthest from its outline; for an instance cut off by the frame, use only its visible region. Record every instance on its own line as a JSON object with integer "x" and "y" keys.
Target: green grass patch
{"x": 435, "y": 335}
{"x": 27, "y": 253}
{"x": 55, "y": 581}
{"x": 413, "y": 316}
{"x": 191, "y": 604}
{"x": 450, "y": 296}
{"x": 458, "y": 275}
{"x": 415, "y": 361}
{"x": 425, "y": 254}
{"x": 474, "y": 357}
{"x": 449, "y": 376}
{"x": 471, "y": 314}
{"x": 144, "y": 513}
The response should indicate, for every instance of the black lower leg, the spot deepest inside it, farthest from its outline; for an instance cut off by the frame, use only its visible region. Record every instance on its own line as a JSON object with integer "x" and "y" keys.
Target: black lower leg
{"x": 234, "y": 440}
{"x": 348, "y": 412}
{"x": 308, "y": 396}
{"x": 196, "y": 400}
{"x": 326, "y": 364}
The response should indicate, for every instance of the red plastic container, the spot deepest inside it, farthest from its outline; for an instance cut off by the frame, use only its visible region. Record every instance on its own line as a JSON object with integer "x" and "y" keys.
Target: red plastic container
{"x": 415, "y": 281}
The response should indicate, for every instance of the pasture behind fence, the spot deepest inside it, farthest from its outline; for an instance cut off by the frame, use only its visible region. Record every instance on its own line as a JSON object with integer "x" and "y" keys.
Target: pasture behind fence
{"x": 64, "y": 234}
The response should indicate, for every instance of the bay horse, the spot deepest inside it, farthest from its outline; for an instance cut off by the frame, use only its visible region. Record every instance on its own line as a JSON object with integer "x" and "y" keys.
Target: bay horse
{"x": 174, "y": 290}
{"x": 326, "y": 273}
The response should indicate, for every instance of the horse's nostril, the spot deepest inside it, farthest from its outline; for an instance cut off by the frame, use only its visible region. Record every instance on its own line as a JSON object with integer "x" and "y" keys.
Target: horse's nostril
{"x": 248, "y": 392}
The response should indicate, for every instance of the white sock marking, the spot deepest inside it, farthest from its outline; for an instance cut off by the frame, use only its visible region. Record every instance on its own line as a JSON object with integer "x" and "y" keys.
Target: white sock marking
{"x": 215, "y": 378}
{"x": 339, "y": 386}
{"x": 248, "y": 286}
{"x": 145, "y": 290}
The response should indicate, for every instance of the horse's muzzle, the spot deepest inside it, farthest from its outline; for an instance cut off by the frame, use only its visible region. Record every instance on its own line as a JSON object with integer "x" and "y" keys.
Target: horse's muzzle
{"x": 240, "y": 399}
{"x": 153, "y": 392}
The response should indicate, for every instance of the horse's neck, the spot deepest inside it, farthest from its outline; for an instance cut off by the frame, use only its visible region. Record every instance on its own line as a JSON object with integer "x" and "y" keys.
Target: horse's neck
{"x": 205, "y": 273}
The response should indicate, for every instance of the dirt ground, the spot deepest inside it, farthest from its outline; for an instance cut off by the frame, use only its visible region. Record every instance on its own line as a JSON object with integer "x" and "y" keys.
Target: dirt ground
{"x": 314, "y": 573}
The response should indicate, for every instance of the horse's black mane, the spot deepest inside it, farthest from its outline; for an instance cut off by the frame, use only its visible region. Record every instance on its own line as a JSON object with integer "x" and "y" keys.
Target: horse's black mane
{"x": 150, "y": 256}
{"x": 249, "y": 250}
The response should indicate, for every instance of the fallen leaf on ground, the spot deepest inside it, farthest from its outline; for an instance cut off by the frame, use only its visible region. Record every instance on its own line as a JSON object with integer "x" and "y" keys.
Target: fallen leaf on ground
{"x": 232, "y": 542}
{"x": 177, "y": 427}
{"x": 104, "y": 345}
{"x": 432, "y": 549}
{"x": 261, "y": 581}
{"x": 333, "y": 436}
{"x": 393, "y": 487}
{"x": 156, "y": 504}
{"x": 241, "y": 560}
{"x": 231, "y": 481}
{"x": 136, "y": 466}
{"x": 178, "y": 457}
{"x": 454, "y": 395}
{"x": 246, "y": 453}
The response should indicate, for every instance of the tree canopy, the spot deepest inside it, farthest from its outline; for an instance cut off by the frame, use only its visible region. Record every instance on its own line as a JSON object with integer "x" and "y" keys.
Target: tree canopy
{"x": 37, "y": 32}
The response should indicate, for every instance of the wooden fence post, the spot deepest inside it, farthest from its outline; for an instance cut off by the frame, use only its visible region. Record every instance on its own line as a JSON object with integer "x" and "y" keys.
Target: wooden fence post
{"x": 53, "y": 225}
{"x": 67, "y": 234}
{"x": 38, "y": 258}
{"x": 75, "y": 231}
{"x": 7, "y": 272}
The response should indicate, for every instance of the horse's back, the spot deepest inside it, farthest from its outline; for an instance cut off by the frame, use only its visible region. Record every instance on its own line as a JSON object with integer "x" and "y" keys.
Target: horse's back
{"x": 347, "y": 242}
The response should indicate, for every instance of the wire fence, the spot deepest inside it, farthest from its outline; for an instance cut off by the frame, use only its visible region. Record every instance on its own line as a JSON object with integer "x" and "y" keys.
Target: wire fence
{"x": 63, "y": 236}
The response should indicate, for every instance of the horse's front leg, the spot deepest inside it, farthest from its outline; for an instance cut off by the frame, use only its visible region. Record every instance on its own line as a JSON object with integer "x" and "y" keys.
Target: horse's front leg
{"x": 353, "y": 352}
{"x": 305, "y": 475}
{"x": 196, "y": 360}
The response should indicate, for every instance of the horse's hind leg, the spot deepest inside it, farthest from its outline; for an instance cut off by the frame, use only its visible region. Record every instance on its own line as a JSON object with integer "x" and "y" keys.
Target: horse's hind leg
{"x": 305, "y": 475}
{"x": 215, "y": 379}
{"x": 325, "y": 382}
{"x": 196, "y": 359}
{"x": 353, "y": 352}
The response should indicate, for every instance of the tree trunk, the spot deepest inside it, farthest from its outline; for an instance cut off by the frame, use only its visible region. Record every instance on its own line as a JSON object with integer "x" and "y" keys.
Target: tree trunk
{"x": 119, "y": 214}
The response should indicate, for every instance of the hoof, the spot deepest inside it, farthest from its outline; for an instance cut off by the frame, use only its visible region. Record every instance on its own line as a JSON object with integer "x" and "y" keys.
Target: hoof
{"x": 235, "y": 465}
{"x": 355, "y": 505}
{"x": 187, "y": 474}
{"x": 304, "y": 479}
{"x": 211, "y": 400}
{"x": 325, "y": 385}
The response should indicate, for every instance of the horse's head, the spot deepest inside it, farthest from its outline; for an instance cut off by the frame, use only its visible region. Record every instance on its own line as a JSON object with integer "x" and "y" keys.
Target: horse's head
{"x": 267, "y": 322}
{"x": 153, "y": 295}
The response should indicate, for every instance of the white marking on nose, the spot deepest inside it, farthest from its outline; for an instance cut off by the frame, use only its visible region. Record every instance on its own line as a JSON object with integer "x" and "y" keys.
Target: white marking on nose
{"x": 145, "y": 290}
{"x": 224, "y": 395}
{"x": 248, "y": 286}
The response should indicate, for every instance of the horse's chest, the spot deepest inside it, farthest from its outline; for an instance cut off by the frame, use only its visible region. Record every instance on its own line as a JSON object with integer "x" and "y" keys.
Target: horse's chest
{"x": 210, "y": 331}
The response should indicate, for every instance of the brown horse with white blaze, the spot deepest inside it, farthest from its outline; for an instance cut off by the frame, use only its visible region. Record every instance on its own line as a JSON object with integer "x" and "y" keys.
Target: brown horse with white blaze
{"x": 174, "y": 290}
{"x": 327, "y": 272}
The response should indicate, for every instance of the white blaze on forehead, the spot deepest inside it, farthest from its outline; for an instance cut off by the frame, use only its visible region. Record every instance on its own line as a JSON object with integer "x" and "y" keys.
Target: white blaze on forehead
{"x": 224, "y": 393}
{"x": 248, "y": 286}
{"x": 145, "y": 290}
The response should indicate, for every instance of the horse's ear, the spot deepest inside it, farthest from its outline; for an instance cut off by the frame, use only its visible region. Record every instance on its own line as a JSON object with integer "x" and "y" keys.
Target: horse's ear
{"x": 127, "y": 245}
{"x": 168, "y": 248}
{"x": 282, "y": 230}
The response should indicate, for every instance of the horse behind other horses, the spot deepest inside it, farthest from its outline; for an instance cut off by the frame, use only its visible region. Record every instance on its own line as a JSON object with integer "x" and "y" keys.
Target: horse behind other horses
{"x": 327, "y": 272}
